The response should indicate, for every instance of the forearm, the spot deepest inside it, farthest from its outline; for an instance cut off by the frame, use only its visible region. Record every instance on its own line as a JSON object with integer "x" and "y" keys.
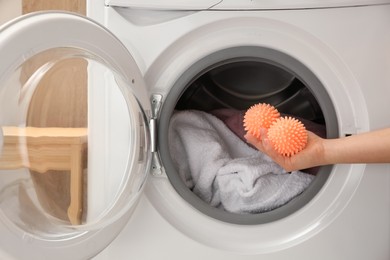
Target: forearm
{"x": 371, "y": 147}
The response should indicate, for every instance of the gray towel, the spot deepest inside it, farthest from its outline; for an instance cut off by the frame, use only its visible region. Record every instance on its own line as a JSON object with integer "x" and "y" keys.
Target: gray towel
{"x": 226, "y": 172}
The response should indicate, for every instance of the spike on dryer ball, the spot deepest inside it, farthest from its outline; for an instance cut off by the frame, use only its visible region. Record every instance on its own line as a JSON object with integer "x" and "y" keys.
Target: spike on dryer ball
{"x": 288, "y": 136}
{"x": 260, "y": 116}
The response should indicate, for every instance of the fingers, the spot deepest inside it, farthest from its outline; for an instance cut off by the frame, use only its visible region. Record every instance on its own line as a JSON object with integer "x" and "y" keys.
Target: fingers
{"x": 262, "y": 144}
{"x": 265, "y": 146}
{"x": 254, "y": 141}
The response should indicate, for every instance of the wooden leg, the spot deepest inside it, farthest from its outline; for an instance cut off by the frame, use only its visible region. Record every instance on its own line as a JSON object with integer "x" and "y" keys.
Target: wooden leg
{"x": 75, "y": 209}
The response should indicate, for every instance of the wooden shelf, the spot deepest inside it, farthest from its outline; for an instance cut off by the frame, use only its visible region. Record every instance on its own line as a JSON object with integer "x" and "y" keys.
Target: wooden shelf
{"x": 43, "y": 149}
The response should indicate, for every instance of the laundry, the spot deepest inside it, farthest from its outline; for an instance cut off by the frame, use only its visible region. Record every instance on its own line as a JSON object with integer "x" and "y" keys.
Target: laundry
{"x": 224, "y": 171}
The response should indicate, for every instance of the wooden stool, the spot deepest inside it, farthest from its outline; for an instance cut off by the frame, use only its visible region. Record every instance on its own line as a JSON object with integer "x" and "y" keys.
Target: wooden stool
{"x": 43, "y": 149}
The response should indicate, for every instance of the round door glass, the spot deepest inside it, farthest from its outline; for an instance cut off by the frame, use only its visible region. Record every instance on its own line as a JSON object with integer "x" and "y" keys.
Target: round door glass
{"x": 74, "y": 143}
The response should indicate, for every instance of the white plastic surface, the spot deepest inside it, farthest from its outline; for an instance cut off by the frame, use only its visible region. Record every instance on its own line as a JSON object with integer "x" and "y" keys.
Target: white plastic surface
{"x": 165, "y": 5}
{"x": 293, "y": 4}
{"x": 239, "y": 4}
{"x": 349, "y": 219}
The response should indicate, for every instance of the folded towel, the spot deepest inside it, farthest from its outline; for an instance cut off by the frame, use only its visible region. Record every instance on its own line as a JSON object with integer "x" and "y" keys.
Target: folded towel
{"x": 224, "y": 171}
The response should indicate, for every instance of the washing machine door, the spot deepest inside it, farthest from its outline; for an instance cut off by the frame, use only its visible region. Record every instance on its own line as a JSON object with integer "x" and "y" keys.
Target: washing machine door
{"x": 74, "y": 137}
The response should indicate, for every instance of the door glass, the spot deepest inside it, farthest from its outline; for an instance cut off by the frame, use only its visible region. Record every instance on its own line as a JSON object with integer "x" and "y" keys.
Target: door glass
{"x": 73, "y": 144}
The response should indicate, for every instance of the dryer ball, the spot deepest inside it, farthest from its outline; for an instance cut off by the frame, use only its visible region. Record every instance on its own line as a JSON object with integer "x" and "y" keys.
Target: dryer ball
{"x": 260, "y": 116}
{"x": 288, "y": 136}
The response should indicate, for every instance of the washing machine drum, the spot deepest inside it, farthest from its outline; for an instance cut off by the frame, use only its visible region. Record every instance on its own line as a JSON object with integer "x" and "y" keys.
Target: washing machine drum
{"x": 241, "y": 84}
{"x": 74, "y": 138}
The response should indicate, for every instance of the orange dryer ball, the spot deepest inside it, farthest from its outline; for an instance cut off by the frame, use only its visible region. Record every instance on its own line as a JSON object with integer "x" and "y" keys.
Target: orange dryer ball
{"x": 259, "y": 116}
{"x": 288, "y": 136}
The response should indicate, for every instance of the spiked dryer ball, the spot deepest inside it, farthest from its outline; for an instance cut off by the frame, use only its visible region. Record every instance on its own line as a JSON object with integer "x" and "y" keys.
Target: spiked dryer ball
{"x": 259, "y": 116}
{"x": 288, "y": 136}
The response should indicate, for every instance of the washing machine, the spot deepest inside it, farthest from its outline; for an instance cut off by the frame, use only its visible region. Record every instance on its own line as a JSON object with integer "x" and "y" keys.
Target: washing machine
{"x": 142, "y": 62}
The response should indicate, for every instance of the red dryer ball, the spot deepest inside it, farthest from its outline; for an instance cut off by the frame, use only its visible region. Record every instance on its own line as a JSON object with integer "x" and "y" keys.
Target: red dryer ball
{"x": 288, "y": 136}
{"x": 259, "y": 116}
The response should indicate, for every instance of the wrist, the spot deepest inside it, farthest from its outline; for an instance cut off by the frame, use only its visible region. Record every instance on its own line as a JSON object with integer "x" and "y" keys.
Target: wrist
{"x": 327, "y": 152}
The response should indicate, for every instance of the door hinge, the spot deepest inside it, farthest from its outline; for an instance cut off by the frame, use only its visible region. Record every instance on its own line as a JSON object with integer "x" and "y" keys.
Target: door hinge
{"x": 157, "y": 168}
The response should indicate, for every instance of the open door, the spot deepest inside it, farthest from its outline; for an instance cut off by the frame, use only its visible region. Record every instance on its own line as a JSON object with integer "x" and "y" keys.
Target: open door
{"x": 106, "y": 159}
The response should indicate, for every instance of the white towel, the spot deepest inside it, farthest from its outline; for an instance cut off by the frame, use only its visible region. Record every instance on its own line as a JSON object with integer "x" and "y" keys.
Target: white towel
{"x": 226, "y": 172}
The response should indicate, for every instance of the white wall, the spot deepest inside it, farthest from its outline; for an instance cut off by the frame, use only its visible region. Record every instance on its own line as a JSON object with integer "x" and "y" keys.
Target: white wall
{"x": 9, "y": 9}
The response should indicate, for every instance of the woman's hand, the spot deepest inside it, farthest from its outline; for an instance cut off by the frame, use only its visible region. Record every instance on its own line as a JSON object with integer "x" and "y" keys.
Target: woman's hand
{"x": 312, "y": 155}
